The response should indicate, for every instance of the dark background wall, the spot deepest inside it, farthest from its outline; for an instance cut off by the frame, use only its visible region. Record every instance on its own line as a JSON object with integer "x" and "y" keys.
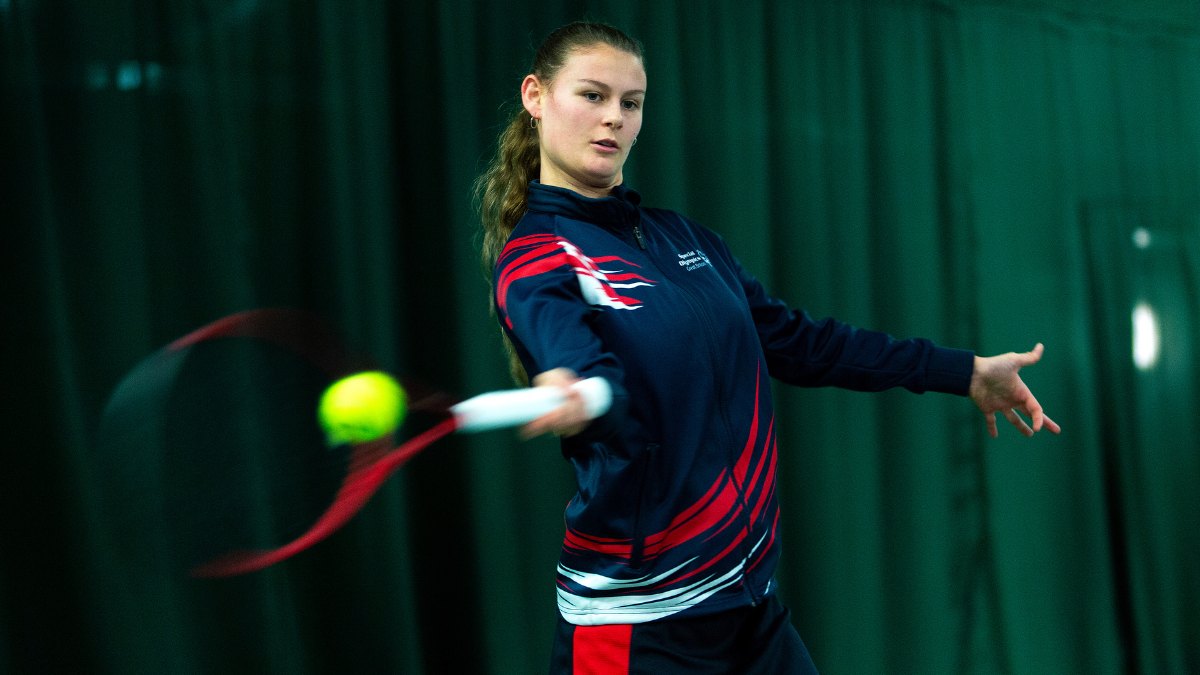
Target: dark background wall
{"x": 971, "y": 172}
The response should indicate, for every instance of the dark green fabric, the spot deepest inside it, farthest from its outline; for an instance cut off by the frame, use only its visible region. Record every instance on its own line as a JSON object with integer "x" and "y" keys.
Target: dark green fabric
{"x": 971, "y": 172}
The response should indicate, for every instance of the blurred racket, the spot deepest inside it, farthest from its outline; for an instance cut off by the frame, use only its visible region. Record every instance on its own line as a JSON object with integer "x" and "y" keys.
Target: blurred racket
{"x": 200, "y": 451}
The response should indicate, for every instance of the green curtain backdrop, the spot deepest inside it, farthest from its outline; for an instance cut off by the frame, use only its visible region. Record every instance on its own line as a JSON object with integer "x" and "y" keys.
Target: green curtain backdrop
{"x": 985, "y": 174}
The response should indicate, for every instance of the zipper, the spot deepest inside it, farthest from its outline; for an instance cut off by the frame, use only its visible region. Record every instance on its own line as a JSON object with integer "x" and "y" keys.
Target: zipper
{"x": 738, "y": 488}
{"x": 697, "y": 309}
{"x": 696, "y": 306}
{"x": 637, "y": 551}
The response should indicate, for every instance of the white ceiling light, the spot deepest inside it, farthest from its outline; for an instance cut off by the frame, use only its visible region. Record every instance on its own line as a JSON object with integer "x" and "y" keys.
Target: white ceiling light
{"x": 1145, "y": 337}
{"x": 1141, "y": 238}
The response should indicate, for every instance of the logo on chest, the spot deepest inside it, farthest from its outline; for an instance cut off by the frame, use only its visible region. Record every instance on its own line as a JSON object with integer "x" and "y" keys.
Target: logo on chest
{"x": 693, "y": 260}
{"x": 605, "y": 287}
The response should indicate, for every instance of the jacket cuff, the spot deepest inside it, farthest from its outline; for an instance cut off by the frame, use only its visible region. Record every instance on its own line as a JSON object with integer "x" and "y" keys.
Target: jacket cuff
{"x": 949, "y": 371}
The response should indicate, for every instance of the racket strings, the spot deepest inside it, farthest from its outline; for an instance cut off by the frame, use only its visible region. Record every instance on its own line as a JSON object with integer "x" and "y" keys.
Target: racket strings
{"x": 365, "y": 455}
{"x": 142, "y": 397}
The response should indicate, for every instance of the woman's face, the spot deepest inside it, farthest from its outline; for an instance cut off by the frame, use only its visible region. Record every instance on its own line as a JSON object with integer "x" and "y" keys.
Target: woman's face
{"x": 588, "y": 118}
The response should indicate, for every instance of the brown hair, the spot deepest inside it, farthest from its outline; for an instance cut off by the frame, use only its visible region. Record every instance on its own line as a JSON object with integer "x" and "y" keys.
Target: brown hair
{"x": 502, "y": 190}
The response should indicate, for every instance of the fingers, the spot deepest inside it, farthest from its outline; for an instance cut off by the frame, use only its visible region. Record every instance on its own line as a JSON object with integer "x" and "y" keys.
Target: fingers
{"x": 1031, "y": 357}
{"x": 551, "y": 421}
{"x": 561, "y": 417}
{"x": 1013, "y": 418}
{"x": 1040, "y": 420}
{"x": 566, "y": 420}
{"x": 1034, "y": 411}
{"x": 558, "y": 422}
{"x": 1032, "y": 408}
{"x": 1007, "y": 391}
{"x": 537, "y": 427}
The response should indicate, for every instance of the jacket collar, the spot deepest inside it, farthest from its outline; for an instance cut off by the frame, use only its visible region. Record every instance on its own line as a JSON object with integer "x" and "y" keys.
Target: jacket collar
{"x": 618, "y": 210}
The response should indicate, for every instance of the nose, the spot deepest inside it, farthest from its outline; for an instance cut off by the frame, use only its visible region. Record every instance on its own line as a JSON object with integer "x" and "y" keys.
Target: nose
{"x": 613, "y": 117}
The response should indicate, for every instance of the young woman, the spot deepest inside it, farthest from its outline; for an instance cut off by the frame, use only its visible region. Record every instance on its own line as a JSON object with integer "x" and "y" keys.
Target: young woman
{"x": 671, "y": 540}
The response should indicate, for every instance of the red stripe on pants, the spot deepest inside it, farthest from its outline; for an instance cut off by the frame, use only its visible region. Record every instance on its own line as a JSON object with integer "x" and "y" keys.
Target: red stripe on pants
{"x": 601, "y": 650}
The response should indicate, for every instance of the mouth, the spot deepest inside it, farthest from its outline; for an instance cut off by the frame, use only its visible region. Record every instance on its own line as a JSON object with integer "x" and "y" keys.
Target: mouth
{"x": 606, "y": 145}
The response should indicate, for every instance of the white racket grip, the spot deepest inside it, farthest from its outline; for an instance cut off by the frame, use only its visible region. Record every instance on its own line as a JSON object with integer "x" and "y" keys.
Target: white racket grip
{"x": 499, "y": 409}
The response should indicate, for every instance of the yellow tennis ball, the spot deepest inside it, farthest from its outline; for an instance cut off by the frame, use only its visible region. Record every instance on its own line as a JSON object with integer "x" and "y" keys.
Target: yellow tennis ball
{"x": 361, "y": 407}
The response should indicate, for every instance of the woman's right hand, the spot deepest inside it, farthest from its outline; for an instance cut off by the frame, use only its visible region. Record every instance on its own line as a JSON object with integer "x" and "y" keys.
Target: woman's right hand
{"x": 568, "y": 419}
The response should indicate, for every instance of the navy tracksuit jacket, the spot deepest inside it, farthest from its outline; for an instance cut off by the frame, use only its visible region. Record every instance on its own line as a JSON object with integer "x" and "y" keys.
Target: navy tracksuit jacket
{"x": 676, "y": 509}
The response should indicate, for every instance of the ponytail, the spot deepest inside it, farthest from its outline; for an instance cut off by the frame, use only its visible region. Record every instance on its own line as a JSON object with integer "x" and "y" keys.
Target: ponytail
{"x": 502, "y": 197}
{"x": 502, "y": 190}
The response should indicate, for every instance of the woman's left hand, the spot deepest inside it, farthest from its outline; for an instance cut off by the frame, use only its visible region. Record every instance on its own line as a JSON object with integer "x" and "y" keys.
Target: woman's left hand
{"x": 996, "y": 387}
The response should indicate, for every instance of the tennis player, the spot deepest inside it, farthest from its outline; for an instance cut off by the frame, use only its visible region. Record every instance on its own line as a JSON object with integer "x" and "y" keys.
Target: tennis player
{"x": 672, "y": 540}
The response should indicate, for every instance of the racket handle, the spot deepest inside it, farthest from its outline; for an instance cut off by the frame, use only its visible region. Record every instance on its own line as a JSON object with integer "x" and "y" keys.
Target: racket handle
{"x": 513, "y": 407}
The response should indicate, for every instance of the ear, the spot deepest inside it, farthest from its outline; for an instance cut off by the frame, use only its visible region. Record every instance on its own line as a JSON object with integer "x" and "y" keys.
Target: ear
{"x": 531, "y": 95}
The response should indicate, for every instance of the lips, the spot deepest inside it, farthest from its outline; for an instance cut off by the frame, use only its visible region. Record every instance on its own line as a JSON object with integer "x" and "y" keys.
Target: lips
{"x": 607, "y": 144}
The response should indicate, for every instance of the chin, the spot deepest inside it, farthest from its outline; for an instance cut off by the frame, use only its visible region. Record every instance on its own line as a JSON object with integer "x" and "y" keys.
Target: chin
{"x": 605, "y": 176}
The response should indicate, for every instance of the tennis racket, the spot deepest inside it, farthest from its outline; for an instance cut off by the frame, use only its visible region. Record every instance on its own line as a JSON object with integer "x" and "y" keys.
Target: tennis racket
{"x": 144, "y": 438}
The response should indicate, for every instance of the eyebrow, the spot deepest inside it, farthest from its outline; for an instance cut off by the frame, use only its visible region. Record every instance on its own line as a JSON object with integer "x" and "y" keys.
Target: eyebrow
{"x": 605, "y": 86}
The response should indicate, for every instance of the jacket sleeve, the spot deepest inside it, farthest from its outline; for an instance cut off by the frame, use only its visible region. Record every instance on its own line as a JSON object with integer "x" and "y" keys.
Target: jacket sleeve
{"x": 542, "y": 310}
{"x": 808, "y": 353}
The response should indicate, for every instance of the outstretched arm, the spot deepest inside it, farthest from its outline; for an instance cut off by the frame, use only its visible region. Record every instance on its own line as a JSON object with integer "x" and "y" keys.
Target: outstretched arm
{"x": 995, "y": 386}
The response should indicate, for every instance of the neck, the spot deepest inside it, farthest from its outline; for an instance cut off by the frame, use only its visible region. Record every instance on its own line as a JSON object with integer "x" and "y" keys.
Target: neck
{"x": 549, "y": 175}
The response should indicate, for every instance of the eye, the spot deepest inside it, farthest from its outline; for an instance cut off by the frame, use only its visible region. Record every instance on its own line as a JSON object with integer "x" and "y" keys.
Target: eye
{"x": 591, "y": 96}
{"x": 630, "y": 105}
